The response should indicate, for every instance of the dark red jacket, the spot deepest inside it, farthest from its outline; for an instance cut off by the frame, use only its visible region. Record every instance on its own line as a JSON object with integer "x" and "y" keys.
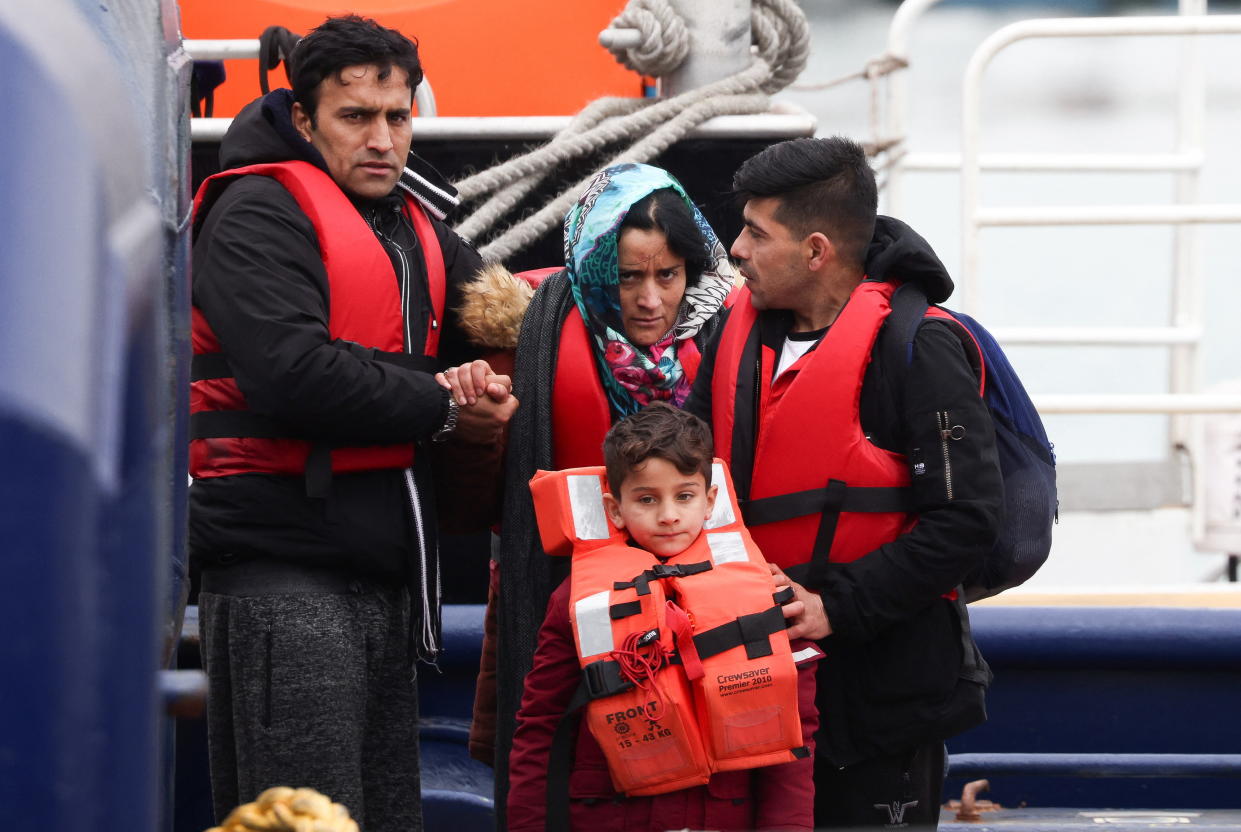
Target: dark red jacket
{"x": 772, "y": 798}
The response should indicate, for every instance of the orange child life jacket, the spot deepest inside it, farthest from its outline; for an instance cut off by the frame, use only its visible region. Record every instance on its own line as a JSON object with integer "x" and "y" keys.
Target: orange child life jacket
{"x": 686, "y": 663}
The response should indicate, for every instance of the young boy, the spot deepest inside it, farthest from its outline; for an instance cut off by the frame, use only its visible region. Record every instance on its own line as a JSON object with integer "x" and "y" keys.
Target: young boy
{"x": 658, "y": 470}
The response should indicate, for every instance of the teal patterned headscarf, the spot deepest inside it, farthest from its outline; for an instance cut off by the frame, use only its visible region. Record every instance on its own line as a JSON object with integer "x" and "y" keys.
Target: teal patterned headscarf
{"x": 634, "y": 376}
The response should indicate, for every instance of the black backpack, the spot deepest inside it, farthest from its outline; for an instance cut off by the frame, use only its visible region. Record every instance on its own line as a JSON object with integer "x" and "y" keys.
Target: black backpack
{"x": 1027, "y": 460}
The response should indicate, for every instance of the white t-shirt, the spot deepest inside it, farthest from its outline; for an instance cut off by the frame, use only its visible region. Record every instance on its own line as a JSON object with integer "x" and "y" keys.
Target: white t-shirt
{"x": 796, "y": 344}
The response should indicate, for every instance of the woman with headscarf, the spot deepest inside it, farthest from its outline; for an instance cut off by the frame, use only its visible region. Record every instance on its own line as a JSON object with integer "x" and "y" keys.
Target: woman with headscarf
{"x": 623, "y": 324}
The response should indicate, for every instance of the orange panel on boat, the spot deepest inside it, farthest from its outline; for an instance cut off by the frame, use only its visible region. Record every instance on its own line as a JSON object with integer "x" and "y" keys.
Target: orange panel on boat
{"x": 482, "y": 57}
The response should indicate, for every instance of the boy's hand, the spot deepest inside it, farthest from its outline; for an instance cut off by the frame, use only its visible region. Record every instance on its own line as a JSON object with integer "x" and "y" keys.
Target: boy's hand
{"x": 805, "y": 611}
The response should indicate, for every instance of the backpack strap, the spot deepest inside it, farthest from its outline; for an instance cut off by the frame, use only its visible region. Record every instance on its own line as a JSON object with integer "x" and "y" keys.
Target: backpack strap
{"x": 909, "y": 307}
{"x": 896, "y": 338}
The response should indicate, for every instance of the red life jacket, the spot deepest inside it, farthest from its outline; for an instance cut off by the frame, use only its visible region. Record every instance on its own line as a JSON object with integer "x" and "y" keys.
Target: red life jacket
{"x": 581, "y": 415}
{"x": 364, "y": 307}
{"x": 728, "y": 700}
{"x": 819, "y": 486}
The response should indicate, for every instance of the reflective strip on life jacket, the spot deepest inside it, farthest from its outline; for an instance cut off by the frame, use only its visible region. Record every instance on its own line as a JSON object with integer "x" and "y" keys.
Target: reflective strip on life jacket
{"x": 724, "y": 696}
{"x": 364, "y": 307}
{"x": 855, "y": 490}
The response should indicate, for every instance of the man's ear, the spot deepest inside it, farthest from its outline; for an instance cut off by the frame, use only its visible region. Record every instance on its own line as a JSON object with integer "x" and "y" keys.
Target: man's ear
{"x": 301, "y": 120}
{"x": 820, "y": 250}
{"x": 612, "y": 506}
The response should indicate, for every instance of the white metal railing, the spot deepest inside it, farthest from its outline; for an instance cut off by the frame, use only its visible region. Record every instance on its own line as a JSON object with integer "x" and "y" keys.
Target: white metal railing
{"x": 771, "y": 126}
{"x": 225, "y": 50}
{"x": 1056, "y": 162}
{"x": 974, "y": 218}
{"x": 1186, "y": 313}
{"x": 782, "y": 122}
{"x": 1165, "y": 403}
{"x": 1184, "y": 334}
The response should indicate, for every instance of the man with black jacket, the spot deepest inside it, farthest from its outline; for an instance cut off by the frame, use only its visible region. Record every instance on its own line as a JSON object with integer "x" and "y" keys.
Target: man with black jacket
{"x": 876, "y": 488}
{"x": 324, "y": 290}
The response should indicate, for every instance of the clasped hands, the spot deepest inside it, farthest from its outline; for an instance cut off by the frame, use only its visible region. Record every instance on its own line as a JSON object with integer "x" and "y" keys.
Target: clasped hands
{"x": 805, "y": 611}
{"x": 485, "y": 399}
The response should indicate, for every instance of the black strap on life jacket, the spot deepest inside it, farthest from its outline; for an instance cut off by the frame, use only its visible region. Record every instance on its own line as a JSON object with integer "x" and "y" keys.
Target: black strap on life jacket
{"x": 814, "y": 500}
{"x": 829, "y": 501}
{"x": 660, "y": 571}
{"x": 752, "y": 631}
{"x": 624, "y": 610}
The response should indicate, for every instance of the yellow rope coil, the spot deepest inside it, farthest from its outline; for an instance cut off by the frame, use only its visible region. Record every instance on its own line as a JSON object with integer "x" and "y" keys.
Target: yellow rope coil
{"x": 282, "y": 809}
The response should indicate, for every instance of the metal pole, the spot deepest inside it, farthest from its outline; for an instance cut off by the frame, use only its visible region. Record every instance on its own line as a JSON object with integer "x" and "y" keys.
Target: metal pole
{"x": 242, "y": 48}
{"x": 897, "y": 114}
{"x": 1057, "y": 162}
{"x": 1096, "y": 765}
{"x": 1096, "y": 336}
{"x": 1186, "y": 306}
{"x": 1137, "y": 403}
{"x": 1108, "y": 214}
{"x": 719, "y": 43}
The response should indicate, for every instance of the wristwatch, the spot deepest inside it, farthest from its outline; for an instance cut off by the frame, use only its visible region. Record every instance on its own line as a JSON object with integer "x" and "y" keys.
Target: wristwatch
{"x": 450, "y": 422}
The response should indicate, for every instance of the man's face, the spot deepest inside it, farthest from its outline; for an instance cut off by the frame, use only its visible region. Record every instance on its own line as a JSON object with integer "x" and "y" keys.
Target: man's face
{"x": 771, "y": 258}
{"x": 662, "y": 509}
{"x": 362, "y": 128}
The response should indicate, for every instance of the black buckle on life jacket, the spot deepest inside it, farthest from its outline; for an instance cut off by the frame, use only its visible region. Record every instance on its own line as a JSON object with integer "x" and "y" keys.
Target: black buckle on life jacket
{"x": 602, "y": 678}
{"x": 642, "y": 583}
{"x": 679, "y": 570}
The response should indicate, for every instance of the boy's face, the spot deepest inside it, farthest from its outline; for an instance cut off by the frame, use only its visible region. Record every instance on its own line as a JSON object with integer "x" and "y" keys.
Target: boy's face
{"x": 662, "y": 509}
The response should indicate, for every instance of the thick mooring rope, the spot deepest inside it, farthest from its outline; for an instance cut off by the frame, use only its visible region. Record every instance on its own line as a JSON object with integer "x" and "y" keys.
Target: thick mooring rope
{"x": 641, "y": 129}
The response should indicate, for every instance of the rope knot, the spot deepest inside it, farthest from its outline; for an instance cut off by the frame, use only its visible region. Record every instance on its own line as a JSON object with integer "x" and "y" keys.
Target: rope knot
{"x": 665, "y": 39}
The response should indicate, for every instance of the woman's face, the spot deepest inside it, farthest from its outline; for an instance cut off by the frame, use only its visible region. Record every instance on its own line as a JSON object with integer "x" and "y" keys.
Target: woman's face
{"x": 652, "y": 284}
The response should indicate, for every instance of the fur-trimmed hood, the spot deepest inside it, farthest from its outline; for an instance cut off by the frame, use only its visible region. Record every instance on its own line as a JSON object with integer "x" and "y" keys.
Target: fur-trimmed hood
{"x": 493, "y": 306}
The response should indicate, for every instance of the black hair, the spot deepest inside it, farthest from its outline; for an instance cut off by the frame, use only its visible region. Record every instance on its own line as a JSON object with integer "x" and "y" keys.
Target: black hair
{"x": 349, "y": 40}
{"x": 666, "y": 210}
{"x": 658, "y": 430}
{"x": 823, "y": 185}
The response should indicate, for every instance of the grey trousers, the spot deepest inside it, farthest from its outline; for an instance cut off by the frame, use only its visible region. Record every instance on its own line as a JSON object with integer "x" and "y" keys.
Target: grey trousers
{"x": 317, "y": 690}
